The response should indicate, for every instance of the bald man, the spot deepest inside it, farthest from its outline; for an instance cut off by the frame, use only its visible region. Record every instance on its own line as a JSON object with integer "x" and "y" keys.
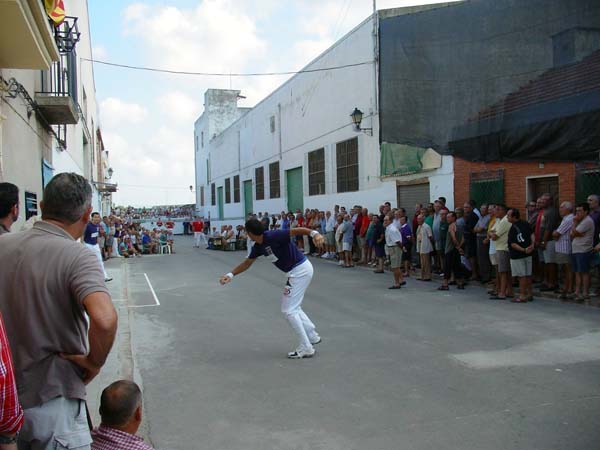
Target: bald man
{"x": 121, "y": 412}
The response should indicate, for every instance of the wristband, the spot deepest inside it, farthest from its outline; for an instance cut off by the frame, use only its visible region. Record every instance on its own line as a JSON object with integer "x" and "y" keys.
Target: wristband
{"x": 230, "y": 275}
{"x": 313, "y": 233}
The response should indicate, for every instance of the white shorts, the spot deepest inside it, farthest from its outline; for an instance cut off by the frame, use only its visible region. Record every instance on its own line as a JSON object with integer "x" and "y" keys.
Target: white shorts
{"x": 521, "y": 267}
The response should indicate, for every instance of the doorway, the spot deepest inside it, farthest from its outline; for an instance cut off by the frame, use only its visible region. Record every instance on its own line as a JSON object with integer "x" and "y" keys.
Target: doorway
{"x": 220, "y": 202}
{"x": 295, "y": 191}
{"x": 247, "y": 198}
{"x": 542, "y": 185}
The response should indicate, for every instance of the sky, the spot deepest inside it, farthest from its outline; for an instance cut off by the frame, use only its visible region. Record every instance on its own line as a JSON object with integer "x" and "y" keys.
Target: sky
{"x": 147, "y": 118}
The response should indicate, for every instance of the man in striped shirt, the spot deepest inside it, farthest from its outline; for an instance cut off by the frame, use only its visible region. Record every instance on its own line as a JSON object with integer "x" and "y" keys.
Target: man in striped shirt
{"x": 11, "y": 413}
{"x": 563, "y": 247}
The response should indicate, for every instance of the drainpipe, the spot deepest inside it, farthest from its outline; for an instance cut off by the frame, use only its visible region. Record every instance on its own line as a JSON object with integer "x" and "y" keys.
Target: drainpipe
{"x": 279, "y": 127}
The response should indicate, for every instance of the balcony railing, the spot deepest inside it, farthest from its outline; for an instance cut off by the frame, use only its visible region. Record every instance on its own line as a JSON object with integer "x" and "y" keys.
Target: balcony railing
{"x": 58, "y": 101}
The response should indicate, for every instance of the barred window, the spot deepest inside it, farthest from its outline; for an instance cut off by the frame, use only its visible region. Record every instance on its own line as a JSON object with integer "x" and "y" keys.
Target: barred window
{"x": 347, "y": 165}
{"x": 259, "y": 180}
{"x": 487, "y": 186}
{"x": 213, "y": 194}
{"x": 316, "y": 172}
{"x": 236, "y": 189}
{"x": 227, "y": 190}
{"x": 274, "y": 181}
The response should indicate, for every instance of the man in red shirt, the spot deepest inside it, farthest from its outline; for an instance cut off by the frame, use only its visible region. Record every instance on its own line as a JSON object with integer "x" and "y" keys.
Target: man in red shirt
{"x": 11, "y": 413}
{"x": 198, "y": 228}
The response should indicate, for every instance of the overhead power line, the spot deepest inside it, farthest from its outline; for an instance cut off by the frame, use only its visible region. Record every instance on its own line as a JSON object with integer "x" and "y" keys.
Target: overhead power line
{"x": 218, "y": 74}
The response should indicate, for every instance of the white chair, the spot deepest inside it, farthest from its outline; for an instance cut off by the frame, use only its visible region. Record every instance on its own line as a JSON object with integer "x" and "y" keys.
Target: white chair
{"x": 164, "y": 248}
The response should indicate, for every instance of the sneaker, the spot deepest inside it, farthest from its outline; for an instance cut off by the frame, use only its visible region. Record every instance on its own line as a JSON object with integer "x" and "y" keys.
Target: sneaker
{"x": 299, "y": 354}
{"x": 317, "y": 341}
{"x": 340, "y": 263}
{"x": 108, "y": 279}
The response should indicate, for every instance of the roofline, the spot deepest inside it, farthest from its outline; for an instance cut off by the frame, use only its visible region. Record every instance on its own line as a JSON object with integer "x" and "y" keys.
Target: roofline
{"x": 313, "y": 61}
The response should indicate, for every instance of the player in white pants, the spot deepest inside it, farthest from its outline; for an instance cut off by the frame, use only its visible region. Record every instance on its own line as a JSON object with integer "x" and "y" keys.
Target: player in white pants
{"x": 280, "y": 249}
{"x": 90, "y": 238}
{"x": 199, "y": 238}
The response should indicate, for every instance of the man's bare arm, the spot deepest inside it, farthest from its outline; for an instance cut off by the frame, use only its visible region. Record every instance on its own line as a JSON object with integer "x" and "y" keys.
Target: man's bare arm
{"x": 101, "y": 335}
{"x": 245, "y": 265}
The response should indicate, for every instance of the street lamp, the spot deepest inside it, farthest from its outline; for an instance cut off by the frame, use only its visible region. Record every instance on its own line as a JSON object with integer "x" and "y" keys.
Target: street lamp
{"x": 357, "y": 116}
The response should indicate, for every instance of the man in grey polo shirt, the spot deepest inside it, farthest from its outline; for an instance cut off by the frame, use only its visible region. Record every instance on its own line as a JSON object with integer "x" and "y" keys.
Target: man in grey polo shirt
{"x": 50, "y": 284}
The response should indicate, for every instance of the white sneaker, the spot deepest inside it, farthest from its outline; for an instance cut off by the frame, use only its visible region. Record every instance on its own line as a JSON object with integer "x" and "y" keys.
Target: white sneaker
{"x": 317, "y": 340}
{"x": 340, "y": 263}
{"x": 299, "y": 354}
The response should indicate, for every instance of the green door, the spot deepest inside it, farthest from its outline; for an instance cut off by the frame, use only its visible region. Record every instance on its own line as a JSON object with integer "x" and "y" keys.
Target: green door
{"x": 295, "y": 192}
{"x": 220, "y": 202}
{"x": 247, "y": 198}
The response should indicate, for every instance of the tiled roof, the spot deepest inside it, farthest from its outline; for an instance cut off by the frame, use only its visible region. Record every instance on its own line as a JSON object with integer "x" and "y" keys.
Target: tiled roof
{"x": 554, "y": 84}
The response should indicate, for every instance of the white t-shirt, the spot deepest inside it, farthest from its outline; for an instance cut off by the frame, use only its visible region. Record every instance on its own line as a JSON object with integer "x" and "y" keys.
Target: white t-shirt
{"x": 585, "y": 243}
{"x": 392, "y": 235}
{"x": 424, "y": 239}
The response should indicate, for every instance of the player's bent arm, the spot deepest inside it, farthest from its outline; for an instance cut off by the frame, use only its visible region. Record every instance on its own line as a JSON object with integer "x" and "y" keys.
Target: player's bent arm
{"x": 300, "y": 231}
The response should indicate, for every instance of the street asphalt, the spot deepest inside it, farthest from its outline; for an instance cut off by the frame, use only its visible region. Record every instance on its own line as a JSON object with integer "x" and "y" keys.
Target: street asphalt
{"x": 404, "y": 369}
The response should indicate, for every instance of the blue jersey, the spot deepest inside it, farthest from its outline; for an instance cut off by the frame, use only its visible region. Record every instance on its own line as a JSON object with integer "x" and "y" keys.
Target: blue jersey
{"x": 279, "y": 249}
{"x": 91, "y": 234}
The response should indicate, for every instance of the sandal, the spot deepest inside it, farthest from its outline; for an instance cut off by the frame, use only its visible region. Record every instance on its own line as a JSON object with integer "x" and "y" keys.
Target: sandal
{"x": 395, "y": 287}
{"x": 443, "y": 288}
{"x": 518, "y": 300}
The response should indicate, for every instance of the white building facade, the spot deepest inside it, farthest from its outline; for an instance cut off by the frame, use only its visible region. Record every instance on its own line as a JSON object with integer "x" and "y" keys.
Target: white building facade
{"x": 49, "y": 121}
{"x": 298, "y": 148}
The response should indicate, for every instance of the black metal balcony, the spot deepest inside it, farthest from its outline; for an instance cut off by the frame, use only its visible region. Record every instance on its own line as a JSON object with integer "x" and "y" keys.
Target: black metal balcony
{"x": 57, "y": 102}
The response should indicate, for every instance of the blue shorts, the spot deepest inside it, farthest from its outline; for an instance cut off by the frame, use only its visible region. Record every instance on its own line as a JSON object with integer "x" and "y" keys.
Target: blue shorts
{"x": 581, "y": 262}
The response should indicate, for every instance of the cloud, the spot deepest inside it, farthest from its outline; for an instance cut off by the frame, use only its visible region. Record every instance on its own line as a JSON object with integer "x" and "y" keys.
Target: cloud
{"x": 213, "y": 37}
{"x": 117, "y": 113}
{"x": 179, "y": 106}
{"x": 99, "y": 52}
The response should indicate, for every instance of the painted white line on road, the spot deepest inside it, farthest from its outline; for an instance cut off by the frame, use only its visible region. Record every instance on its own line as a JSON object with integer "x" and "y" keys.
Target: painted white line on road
{"x": 152, "y": 289}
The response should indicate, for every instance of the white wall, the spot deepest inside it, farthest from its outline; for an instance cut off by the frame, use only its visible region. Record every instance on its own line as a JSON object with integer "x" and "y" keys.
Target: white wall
{"x": 312, "y": 111}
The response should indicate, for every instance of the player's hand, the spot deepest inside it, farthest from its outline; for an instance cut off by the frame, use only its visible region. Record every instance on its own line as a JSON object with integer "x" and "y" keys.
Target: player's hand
{"x": 318, "y": 240}
{"x": 225, "y": 279}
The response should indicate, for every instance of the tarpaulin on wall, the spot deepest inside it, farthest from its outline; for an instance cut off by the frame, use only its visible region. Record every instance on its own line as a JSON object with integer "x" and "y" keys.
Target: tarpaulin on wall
{"x": 398, "y": 159}
{"x": 443, "y": 70}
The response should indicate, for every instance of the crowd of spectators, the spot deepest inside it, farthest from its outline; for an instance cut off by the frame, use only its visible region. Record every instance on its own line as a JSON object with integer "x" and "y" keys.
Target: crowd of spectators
{"x": 124, "y": 238}
{"x": 541, "y": 246}
{"x": 155, "y": 212}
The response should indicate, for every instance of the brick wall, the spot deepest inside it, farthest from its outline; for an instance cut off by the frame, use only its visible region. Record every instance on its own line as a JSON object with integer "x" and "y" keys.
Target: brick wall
{"x": 515, "y": 186}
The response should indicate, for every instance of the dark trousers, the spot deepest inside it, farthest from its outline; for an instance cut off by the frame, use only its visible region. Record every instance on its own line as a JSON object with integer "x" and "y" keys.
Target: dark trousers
{"x": 483, "y": 259}
{"x": 452, "y": 265}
